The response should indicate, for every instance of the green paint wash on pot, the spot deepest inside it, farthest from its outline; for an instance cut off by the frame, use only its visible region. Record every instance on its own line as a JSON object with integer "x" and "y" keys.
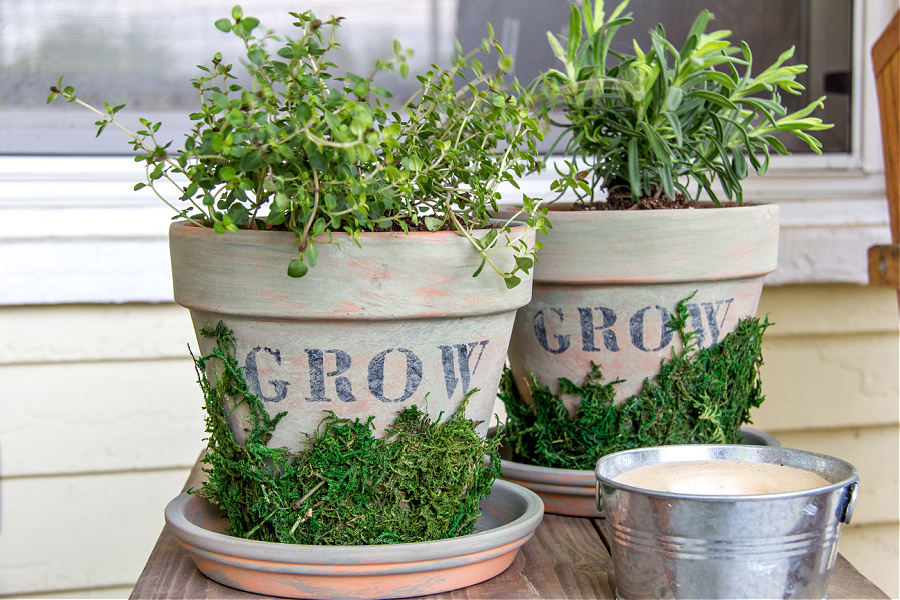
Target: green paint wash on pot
{"x": 423, "y": 481}
{"x": 700, "y": 396}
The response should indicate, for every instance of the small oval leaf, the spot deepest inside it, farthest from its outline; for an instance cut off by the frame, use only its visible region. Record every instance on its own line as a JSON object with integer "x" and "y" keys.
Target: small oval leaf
{"x": 297, "y": 268}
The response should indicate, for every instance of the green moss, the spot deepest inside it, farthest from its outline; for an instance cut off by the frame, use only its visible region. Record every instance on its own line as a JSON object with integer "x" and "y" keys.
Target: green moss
{"x": 423, "y": 481}
{"x": 700, "y": 396}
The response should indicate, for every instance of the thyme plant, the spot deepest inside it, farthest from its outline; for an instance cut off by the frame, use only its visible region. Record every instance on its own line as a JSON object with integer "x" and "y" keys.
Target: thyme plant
{"x": 646, "y": 124}
{"x": 303, "y": 150}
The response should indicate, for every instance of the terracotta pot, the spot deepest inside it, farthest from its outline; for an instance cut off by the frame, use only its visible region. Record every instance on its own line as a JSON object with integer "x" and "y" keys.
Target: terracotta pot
{"x": 607, "y": 282}
{"x": 395, "y": 321}
{"x": 573, "y": 492}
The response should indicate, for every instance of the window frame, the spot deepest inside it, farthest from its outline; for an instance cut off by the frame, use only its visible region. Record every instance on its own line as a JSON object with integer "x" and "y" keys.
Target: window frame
{"x": 62, "y": 238}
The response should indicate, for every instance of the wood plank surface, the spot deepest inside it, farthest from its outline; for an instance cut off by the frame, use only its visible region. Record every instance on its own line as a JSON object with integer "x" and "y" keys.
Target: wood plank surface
{"x": 566, "y": 558}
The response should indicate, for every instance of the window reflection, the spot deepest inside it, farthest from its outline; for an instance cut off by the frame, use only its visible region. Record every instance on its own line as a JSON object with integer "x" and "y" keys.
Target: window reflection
{"x": 143, "y": 53}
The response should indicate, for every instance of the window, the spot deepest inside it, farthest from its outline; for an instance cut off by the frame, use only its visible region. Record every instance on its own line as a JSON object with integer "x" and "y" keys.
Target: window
{"x": 143, "y": 54}
{"x": 72, "y": 229}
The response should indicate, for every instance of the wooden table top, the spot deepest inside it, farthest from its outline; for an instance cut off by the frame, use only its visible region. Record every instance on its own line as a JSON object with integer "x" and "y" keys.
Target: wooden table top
{"x": 565, "y": 558}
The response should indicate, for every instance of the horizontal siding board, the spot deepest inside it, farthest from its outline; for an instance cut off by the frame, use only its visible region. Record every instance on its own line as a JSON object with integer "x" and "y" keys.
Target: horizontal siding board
{"x": 828, "y": 310}
{"x": 71, "y": 271}
{"x": 90, "y": 333}
{"x": 829, "y": 381}
{"x": 105, "y": 416}
{"x": 874, "y": 451}
{"x": 84, "y": 532}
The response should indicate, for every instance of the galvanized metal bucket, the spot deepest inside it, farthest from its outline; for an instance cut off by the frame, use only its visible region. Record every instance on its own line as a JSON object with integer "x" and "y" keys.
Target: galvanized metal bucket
{"x": 668, "y": 545}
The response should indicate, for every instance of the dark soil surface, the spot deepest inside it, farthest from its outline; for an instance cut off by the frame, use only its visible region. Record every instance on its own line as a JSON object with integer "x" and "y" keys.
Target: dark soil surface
{"x": 622, "y": 201}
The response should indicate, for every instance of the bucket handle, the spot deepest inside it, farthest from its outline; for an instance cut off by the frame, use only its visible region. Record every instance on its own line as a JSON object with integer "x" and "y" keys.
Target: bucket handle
{"x": 851, "y": 502}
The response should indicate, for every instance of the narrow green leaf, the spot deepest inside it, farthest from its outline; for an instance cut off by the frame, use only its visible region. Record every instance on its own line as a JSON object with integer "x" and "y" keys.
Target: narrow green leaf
{"x": 480, "y": 267}
{"x": 814, "y": 144}
{"x": 556, "y": 47}
{"x": 574, "y": 33}
{"x": 775, "y": 143}
{"x": 676, "y": 127}
{"x": 668, "y": 183}
{"x": 657, "y": 144}
{"x": 739, "y": 164}
{"x": 717, "y": 99}
{"x": 761, "y": 107}
{"x": 674, "y": 95}
{"x": 634, "y": 173}
{"x": 587, "y": 15}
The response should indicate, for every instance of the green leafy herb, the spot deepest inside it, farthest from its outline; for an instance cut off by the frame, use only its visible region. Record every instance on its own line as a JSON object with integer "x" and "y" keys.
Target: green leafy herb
{"x": 421, "y": 482}
{"x": 300, "y": 149}
{"x": 700, "y": 396}
{"x": 646, "y": 124}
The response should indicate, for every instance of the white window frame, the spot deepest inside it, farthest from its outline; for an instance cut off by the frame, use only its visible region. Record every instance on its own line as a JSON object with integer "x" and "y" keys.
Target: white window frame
{"x": 72, "y": 230}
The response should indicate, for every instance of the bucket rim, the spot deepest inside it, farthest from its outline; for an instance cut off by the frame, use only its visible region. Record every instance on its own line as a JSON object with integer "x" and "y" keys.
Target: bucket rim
{"x": 851, "y": 479}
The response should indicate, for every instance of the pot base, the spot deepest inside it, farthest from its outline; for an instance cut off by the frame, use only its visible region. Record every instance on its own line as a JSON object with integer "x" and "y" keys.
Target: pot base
{"x": 509, "y": 517}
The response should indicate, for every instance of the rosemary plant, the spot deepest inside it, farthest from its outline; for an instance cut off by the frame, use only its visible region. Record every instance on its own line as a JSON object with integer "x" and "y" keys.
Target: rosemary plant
{"x": 303, "y": 150}
{"x": 648, "y": 124}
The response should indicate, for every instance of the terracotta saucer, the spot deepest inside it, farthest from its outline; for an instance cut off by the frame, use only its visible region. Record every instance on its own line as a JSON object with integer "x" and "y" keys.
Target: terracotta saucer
{"x": 509, "y": 517}
{"x": 573, "y": 492}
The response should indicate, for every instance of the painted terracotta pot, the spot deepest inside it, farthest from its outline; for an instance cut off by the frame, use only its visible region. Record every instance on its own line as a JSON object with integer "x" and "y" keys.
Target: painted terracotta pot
{"x": 607, "y": 282}
{"x": 395, "y": 321}
{"x": 573, "y": 492}
{"x": 508, "y": 519}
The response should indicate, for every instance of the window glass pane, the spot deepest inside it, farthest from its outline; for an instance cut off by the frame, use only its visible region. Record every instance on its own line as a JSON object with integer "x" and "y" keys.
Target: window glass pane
{"x": 820, "y": 30}
{"x": 143, "y": 53}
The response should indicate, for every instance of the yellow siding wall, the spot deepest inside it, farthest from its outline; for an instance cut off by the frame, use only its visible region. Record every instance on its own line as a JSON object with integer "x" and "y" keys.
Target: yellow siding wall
{"x": 101, "y": 418}
{"x": 832, "y": 383}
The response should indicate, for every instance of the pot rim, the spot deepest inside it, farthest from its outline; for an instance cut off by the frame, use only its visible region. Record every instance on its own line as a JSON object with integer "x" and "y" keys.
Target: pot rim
{"x": 564, "y": 207}
{"x": 565, "y": 478}
{"x": 386, "y": 275}
{"x": 514, "y": 225}
{"x": 369, "y": 557}
{"x": 850, "y": 479}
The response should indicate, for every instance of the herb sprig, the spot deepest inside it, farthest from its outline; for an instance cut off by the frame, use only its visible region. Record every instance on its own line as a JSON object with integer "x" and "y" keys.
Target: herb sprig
{"x": 647, "y": 124}
{"x": 301, "y": 149}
